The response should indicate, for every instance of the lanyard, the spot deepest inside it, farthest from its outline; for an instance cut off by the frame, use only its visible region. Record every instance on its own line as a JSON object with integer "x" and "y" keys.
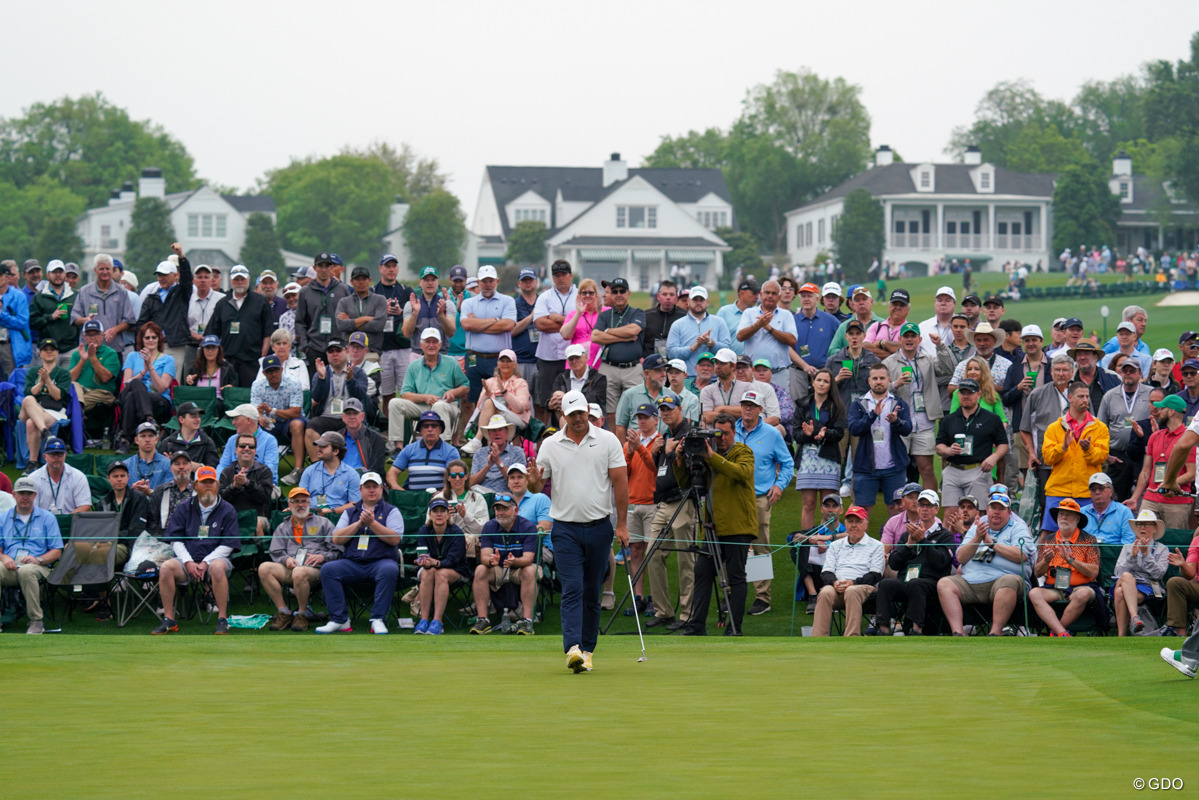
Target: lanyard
{"x": 22, "y": 535}
{"x": 1129, "y": 404}
{"x": 727, "y": 398}
{"x": 140, "y": 473}
{"x": 564, "y": 300}
{"x": 917, "y": 378}
{"x": 54, "y": 489}
{"x": 328, "y": 481}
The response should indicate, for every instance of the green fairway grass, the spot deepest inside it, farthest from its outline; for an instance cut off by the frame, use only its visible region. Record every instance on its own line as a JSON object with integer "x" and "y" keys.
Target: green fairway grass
{"x": 357, "y": 716}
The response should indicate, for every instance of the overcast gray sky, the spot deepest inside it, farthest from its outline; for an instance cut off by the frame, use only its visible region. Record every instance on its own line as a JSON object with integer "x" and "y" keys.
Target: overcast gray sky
{"x": 247, "y": 85}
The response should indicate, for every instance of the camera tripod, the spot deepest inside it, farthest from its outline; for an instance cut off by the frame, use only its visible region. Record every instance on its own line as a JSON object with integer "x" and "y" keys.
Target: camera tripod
{"x": 699, "y": 496}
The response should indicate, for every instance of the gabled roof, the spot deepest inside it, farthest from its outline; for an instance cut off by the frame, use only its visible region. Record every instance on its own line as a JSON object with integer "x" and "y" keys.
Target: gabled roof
{"x": 642, "y": 241}
{"x": 896, "y": 179}
{"x": 586, "y": 185}
{"x": 1148, "y": 196}
{"x": 249, "y": 203}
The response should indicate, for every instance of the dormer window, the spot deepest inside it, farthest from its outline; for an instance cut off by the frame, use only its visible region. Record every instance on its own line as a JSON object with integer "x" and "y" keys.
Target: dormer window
{"x": 926, "y": 179}
{"x": 984, "y": 181}
{"x": 1125, "y": 193}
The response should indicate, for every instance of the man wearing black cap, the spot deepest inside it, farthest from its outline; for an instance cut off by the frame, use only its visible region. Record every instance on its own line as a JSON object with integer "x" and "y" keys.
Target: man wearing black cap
{"x": 747, "y": 296}
{"x": 363, "y": 310}
{"x": 1189, "y": 373}
{"x": 199, "y": 311}
{"x": 131, "y": 507}
{"x": 366, "y": 450}
{"x": 970, "y": 442}
{"x": 1072, "y": 336}
{"x": 1188, "y": 346}
{"x": 972, "y": 308}
{"x": 16, "y": 344}
{"x": 279, "y": 400}
{"x": 316, "y": 310}
{"x": 395, "y": 349}
{"x": 660, "y": 318}
{"x": 245, "y": 322}
{"x": 332, "y": 385}
{"x": 621, "y": 331}
{"x": 993, "y": 309}
{"x": 198, "y": 445}
{"x": 166, "y": 498}
{"x": 882, "y": 338}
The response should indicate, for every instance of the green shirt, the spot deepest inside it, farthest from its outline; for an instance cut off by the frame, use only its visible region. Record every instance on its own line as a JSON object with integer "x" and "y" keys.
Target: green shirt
{"x": 420, "y": 379}
{"x": 60, "y": 377}
{"x": 110, "y": 359}
{"x": 839, "y": 339}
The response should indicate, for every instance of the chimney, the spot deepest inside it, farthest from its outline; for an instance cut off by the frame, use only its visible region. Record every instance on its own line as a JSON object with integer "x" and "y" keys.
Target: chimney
{"x": 883, "y": 156}
{"x": 615, "y": 170}
{"x": 1122, "y": 165}
{"x": 974, "y": 155}
{"x": 126, "y": 193}
{"x": 152, "y": 184}
{"x": 114, "y": 197}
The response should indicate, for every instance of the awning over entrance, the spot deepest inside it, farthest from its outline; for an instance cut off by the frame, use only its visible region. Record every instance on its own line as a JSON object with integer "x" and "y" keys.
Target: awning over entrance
{"x": 690, "y": 255}
{"x": 603, "y": 254}
{"x": 647, "y": 255}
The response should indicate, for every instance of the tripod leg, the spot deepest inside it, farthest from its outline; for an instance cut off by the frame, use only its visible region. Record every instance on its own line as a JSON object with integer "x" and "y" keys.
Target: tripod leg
{"x": 713, "y": 546}
{"x": 636, "y": 576}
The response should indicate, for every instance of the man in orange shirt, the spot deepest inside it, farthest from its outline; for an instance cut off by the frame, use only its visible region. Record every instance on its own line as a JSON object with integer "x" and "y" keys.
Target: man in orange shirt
{"x": 1069, "y": 560}
{"x": 642, "y": 443}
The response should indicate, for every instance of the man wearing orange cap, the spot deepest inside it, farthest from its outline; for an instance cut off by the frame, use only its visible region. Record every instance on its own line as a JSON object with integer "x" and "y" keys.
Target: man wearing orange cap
{"x": 203, "y": 533}
{"x": 1069, "y": 560}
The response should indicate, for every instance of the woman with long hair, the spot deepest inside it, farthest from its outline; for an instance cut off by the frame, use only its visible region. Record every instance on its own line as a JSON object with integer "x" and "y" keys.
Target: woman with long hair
{"x": 579, "y": 324}
{"x": 819, "y": 427}
{"x": 988, "y": 398}
{"x": 468, "y": 506}
{"x": 148, "y": 374}
{"x": 210, "y": 368}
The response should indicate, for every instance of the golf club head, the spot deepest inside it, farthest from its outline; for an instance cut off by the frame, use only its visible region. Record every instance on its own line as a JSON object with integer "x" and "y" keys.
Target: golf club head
{"x": 643, "y": 658}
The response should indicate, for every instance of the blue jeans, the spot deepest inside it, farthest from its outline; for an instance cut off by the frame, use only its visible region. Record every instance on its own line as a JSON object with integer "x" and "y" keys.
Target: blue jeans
{"x": 581, "y": 556}
{"x": 384, "y": 572}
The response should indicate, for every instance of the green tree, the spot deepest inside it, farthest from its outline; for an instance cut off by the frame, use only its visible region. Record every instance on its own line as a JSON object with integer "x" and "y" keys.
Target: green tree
{"x": 693, "y": 149}
{"x": 860, "y": 235}
{"x": 1109, "y": 113}
{"x": 38, "y": 221}
{"x": 1037, "y": 149}
{"x": 435, "y": 230}
{"x": 89, "y": 146}
{"x": 765, "y": 181}
{"x": 338, "y": 204}
{"x": 745, "y": 253}
{"x": 151, "y": 235}
{"x": 261, "y": 248}
{"x": 526, "y": 244}
{"x": 1172, "y": 112}
{"x": 1085, "y": 211}
{"x": 414, "y": 176}
{"x": 1002, "y": 114}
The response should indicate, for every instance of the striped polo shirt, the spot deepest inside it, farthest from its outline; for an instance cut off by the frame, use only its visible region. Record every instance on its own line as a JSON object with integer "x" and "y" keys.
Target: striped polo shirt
{"x": 426, "y": 468}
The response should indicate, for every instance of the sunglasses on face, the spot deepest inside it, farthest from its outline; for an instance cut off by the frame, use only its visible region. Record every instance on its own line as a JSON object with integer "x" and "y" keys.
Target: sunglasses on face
{"x": 587, "y": 294}
{"x": 457, "y": 474}
{"x": 246, "y": 447}
{"x": 620, "y": 291}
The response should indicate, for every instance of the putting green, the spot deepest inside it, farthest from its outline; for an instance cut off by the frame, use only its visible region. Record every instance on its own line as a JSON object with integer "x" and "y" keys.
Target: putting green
{"x": 260, "y": 715}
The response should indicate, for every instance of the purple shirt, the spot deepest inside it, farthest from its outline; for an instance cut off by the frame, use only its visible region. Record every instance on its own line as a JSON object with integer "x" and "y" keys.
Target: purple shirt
{"x": 894, "y": 528}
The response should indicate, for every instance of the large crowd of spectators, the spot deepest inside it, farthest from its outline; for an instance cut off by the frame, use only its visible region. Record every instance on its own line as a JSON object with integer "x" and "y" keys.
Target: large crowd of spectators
{"x": 450, "y": 390}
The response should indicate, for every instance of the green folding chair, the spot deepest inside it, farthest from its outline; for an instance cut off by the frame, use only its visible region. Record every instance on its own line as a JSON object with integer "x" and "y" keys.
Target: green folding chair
{"x": 203, "y": 396}
{"x": 232, "y": 397}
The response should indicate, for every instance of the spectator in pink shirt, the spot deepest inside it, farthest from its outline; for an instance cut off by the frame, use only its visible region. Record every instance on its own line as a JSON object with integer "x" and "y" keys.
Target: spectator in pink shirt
{"x": 895, "y": 527}
{"x": 882, "y": 338}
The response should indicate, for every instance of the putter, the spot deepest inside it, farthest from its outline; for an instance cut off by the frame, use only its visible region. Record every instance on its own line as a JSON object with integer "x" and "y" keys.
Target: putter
{"x": 637, "y": 617}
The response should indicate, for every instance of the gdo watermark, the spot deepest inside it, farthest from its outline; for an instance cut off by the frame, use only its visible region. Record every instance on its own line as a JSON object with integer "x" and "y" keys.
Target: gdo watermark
{"x": 1158, "y": 784}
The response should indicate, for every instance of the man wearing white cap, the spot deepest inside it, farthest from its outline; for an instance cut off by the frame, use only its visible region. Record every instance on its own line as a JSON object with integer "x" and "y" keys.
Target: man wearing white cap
{"x": 245, "y": 420}
{"x": 488, "y": 319}
{"x": 167, "y": 305}
{"x": 697, "y": 332}
{"x": 579, "y": 378}
{"x": 1027, "y": 373}
{"x": 1130, "y": 346}
{"x": 244, "y": 321}
{"x": 1139, "y": 319}
{"x": 862, "y": 306}
{"x": 435, "y": 383}
{"x": 944, "y": 304}
{"x": 676, "y": 378}
{"x": 1161, "y": 373}
{"x": 588, "y": 468}
{"x": 724, "y": 394}
{"x": 199, "y": 311}
{"x": 832, "y": 297}
{"x": 267, "y": 285}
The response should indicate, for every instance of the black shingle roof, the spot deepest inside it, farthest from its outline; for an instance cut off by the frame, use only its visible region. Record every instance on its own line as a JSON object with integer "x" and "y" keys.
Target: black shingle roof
{"x": 949, "y": 179}
{"x": 248, "y": 204}
{"x": 585, "y": 184}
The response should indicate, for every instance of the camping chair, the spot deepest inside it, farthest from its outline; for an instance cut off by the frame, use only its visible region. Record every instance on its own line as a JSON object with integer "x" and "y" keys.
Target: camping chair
{"x": 203, "y": 396}
{"x": 89, "y": 556}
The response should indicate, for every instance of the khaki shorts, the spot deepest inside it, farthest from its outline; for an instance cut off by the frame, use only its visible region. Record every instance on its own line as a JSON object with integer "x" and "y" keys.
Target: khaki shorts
{"x": 985, "y": 592}
{"x": 923, "y": 443}
{"x": 187, "y": 579}
{"x": 640, "y": 520}
{"x": 287, "y": 576}
{"x": 502, "y": 575}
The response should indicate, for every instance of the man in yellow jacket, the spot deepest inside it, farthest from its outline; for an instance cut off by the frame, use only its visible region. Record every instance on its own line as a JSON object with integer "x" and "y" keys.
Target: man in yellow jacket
{"x": 1074, "y": 448}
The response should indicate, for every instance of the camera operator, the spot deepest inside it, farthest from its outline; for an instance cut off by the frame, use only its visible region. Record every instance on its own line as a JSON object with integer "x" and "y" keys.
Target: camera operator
{"x": 730, "y": 468}
{"x": 669, "y": 498}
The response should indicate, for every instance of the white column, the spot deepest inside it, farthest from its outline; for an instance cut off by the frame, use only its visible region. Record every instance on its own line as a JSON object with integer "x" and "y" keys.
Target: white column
{"x": 940, "y": 232}
{"x": 889, "y": 214}
{"x": 1044, "y": 234}
{"x": 990, "y": 245}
